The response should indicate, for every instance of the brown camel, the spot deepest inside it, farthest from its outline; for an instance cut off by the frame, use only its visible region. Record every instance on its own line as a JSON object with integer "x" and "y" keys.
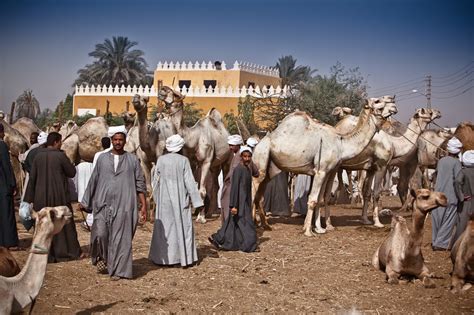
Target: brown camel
{"x": 8, "y": 265}
{"x": 400, "y": 252}
{"x": 205, "y": 143}
{"x": 462, "y": 256}
{"x": 21, "y": 290}
{"x": 26, "y": 127}
{"x": 465, "y": 133}
{"x": 303, "y": 145}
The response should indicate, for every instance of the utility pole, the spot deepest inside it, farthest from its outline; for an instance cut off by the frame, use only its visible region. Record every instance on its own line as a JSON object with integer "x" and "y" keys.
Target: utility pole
{"x": 428, "y": 91}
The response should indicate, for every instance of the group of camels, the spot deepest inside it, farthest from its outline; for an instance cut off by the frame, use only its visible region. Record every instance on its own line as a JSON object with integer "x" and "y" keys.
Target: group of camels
{"x": 369, "y": 143}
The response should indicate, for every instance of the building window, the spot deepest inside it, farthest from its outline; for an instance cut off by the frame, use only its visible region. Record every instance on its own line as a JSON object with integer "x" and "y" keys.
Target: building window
{"x": 251, "y": 84}
{"x": 210, "y": 84}
{"x": 186, "y": 83}
{"x": 160, "y": 84}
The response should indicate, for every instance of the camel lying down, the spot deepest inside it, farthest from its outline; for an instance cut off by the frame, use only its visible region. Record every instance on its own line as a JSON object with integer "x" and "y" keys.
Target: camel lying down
{"x": 400, "y": 252}
{"x": 462, "y": 256}
{"x": 21, "y": 290}
{"x": 8, "y": 265}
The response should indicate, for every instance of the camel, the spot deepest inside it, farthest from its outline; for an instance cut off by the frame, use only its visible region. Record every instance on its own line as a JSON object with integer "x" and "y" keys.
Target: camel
{"x": 341, "y": 112}
{"x": 83, "y": 143}
{"x": 303, "y": 145}
{"x": 205, "y": 143}
{"x": 26, "y": 127}
{"x": 21, "y": 290}
{"x": 8, "y": 265}
{"x": 383, "y": 150}
{"x": 65, "y": 130}
{"x": 400, "y": 252}
{"x": 462, "y": 256}
{"x": 465, "y": 133}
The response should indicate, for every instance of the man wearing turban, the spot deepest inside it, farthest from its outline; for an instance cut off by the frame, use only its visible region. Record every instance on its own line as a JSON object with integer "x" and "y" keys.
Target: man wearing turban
{"x": 174, "y": 189}
{"x": 443, "y": 219}
{"x": 464, "y": 187}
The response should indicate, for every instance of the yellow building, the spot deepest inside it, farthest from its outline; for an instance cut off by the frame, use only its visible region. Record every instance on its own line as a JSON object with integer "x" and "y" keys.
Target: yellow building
{"x": 208, "y": 85}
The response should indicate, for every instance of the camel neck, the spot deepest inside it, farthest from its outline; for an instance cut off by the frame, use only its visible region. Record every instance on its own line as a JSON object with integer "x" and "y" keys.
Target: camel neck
{"x": 407, "y": 142}
{"x": 355, "y": 141}
{"x": 418, "y": 222}
{"x": 176, "y": 116}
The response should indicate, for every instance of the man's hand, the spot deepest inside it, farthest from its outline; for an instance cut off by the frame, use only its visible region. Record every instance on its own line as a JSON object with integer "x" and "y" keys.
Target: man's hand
{"x": 143, "y": 213}
{"x": 14, "y": 191}
{"x": 233, "y": 211}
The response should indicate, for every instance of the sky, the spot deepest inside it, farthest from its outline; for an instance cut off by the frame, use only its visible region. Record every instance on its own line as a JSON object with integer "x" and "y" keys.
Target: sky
{"x": 394, "y": 43}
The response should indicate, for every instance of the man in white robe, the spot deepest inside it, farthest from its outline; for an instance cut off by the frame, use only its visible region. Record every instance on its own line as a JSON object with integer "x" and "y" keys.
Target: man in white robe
{"x": 175, "y": 189}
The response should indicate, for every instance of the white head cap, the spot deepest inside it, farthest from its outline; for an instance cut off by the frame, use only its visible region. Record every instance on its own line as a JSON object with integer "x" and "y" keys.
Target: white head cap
{"x": 468, "y": 158}
{"x": 174, "y": 143}
{"x": 252, "y": 142}
{"x": 234, "y": 140}
{"x": 454, "y": 145}
{"x": 42, "y": 137}
{"x": 245, "y": 148}
{"x": 116, "y": 129}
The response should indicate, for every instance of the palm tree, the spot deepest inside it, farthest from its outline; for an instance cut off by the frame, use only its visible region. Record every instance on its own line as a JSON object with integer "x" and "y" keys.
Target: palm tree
{"x": 27, "y": 105}
{"x": 115, "y": 63}
{"x": 291, "y": 74}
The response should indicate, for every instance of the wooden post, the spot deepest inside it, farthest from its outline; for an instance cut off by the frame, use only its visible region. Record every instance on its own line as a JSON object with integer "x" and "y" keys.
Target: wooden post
{"x": 60, "y": 112}
{"x": 127, "y": 106}
{"x": 107, "y": 106}
{"x": 12, "y": 111}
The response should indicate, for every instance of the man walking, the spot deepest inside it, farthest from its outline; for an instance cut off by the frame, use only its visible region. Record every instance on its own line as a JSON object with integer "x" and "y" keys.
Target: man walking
{"x": 115, "y": 187}
{"x": 48, "y": 187}
{"x": 174, "y": 188}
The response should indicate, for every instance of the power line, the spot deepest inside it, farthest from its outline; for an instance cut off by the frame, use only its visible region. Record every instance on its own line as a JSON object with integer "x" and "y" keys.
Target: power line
{"x": 459, "y": 79}
{"x": 457, "y": 88}
{"x": 399, "y": 85}
{"x": 454, "y": 73}
{"x": 451, "y": 96}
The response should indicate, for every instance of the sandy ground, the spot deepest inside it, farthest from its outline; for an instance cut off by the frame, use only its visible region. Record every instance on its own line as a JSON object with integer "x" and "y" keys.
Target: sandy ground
{"x": 329, "y": 273}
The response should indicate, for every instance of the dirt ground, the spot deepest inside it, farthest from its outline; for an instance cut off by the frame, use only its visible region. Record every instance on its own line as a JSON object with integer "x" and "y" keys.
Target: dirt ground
{"x": 330, "y": 273}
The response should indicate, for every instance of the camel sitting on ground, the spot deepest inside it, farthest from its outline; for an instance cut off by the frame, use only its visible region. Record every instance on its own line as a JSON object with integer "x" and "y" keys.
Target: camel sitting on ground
{"x": 400, "y": 252}
{"x": 83, "y": 143}
{"x": 303, "y": 145}
{"x": 462, "y": 256}
{"x": 205, "y": 143}
{"x": 21, "y": 290}
{"x": 8, "y": 265}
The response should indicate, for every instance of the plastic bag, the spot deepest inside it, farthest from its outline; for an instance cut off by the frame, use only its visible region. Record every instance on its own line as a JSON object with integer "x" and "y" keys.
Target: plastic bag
{"x": 24, "y": 212}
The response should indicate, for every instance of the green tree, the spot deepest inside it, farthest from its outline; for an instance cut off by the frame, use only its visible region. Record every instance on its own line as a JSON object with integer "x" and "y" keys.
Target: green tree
{"x": 27, "y": 105}
{"x": 116, "y": 63}
{"x": 191, "y": 114}
{"x": 44, "y": 119}
{"x": 291, "y": 74}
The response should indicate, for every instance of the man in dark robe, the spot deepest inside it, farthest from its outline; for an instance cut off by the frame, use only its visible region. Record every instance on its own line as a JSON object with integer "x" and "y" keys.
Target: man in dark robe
{"x": 8, "y": 231}
{"x": 276, "y": 199}
{"x": 114, "y": 189}
{"x": 238, "y": 231}
{"x": 464, "y": 187}
{"x": 48, "y": 187}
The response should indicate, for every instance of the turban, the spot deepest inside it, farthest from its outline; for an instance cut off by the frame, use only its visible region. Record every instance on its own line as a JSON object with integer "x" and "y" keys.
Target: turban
{"x": 174, "y": 143}
{"x": 468, "y": 158}
{"x": 252, "y": 142}
{"x": 234, "y": 140}
{"x": 116, "y": 129}
{"x": 454, "y": 145}
{"x": 245, "y": 148}
{"x": 42, "y": 137}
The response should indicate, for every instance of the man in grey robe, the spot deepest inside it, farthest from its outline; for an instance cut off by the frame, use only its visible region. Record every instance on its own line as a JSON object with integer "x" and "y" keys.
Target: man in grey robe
{"x": 302, "y": 189}
{"x": 276, "y": 199}
{"x": 443, "y": 219}
{"x": 114, "y": 189}
{"x": 174, "y": 188}
{"x": 464, "y": 187}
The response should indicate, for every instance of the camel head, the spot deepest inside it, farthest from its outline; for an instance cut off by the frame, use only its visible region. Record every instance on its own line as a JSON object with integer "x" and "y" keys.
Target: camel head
{"x": 341, "y": 112}
{"x": 140, "y": 103}
{"x": 426, "y": 115}
{"x": 51, "y": 220}
{"x": 382, "y": 107}
{"x": 2, "y": 115}
{"x": 426, "y": 200}
{"x": 170, "y": 97}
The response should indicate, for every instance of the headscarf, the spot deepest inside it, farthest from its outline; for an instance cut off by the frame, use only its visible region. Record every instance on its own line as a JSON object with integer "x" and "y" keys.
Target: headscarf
{"x": 245, "y": 148}
{"x": 234, "y": 140}
{"x": 454, "y": 145}
{"x": 468, "y": 158}
{"x": 42, "y": 137}
{"x": 252, "y": 142}
{"x": 174, "y": 143}
{"x": 116, "y": 129}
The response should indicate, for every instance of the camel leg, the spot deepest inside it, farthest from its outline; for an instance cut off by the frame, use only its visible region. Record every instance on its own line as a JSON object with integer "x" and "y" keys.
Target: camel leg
{"x": 350, "y": 187}
{"x": 378, "y": 178}
{"x": 360, "y": 186}
{"x": 259, "y": 186}
{"x": 205, "y": 172}
{"x": 392, "y": 275}
{"x": 313, "y": 198}
{"x": 327, "y": 194}
{"x": 366, "y": 193}
{"x": 426, "y": 277}
{"x": 406, "y": 173}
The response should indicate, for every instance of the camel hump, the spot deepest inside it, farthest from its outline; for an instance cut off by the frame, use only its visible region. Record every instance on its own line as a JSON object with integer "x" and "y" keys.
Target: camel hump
{"x": 214, "y": 115}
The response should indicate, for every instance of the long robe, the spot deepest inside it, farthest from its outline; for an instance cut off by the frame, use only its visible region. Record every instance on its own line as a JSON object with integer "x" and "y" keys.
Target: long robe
{"x": 112, "y": 196}
{"x": 8, "y": 231}
{"x": 443, "y": 219}
{"x": 276, "y": 198}
{"x": 238, "y": 231}
{"x": 173, "y": 240}
{"x": 302, "y": 189}
{"x": 48, "y": 187}
{"x": 464, "y": 187}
